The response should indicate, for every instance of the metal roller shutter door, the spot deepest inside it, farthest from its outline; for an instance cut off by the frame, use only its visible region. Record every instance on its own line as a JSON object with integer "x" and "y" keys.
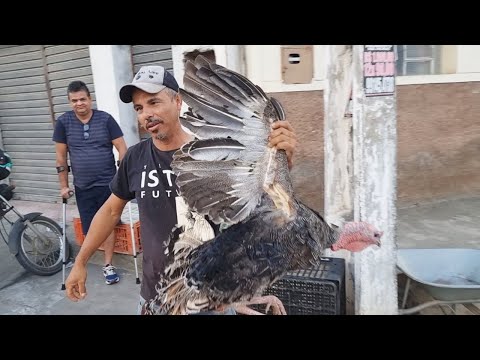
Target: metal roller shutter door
{"x": 33, "y": 82}
{"x": 26, "y": 122}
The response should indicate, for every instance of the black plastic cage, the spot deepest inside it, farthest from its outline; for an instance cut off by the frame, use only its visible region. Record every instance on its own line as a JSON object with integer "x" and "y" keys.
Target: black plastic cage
{"x": 319, "y": 290}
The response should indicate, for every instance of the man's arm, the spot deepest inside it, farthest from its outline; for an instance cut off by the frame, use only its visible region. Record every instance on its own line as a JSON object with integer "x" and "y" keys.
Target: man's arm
{"x": 102, "y": 225}
{"x": 121, "y": 147}
{"x": 62, "y": 168}
{"x": 283, "y": 138}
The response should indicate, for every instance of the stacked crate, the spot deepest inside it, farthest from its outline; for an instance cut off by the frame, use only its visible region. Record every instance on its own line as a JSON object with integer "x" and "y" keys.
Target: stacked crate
{"x": 123, "y": 237}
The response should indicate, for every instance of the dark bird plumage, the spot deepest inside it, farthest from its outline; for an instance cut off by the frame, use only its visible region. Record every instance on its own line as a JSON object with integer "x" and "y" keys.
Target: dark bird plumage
{"x": 230, "y": 175}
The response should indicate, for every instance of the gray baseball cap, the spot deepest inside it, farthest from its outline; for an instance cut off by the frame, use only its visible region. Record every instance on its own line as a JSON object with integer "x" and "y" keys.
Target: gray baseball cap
{"x": 151, "y": 79}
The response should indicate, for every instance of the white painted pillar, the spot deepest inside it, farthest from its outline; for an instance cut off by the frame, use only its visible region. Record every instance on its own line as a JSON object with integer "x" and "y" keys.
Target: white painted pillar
{"x": 230, "y": 56}
{"x": 374, "y": 157}
{"x": 112, "y": 68}
{"x": 338, "y": 159}
{"x": 178, "y": 56}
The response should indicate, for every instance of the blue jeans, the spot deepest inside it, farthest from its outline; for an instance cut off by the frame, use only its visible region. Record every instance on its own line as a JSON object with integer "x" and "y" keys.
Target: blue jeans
{"x": 89, "y": 201}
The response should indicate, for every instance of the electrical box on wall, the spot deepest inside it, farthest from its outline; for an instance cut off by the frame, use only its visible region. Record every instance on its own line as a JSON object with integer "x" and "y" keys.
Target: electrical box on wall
{"x": 297, "y": 64}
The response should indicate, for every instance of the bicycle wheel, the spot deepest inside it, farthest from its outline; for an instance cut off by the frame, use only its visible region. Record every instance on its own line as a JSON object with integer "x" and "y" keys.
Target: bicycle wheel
{"x": 42, "y": 256}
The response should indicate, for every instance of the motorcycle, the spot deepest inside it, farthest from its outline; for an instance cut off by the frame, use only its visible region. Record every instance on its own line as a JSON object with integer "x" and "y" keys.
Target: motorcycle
{"x": 36, "y": 241}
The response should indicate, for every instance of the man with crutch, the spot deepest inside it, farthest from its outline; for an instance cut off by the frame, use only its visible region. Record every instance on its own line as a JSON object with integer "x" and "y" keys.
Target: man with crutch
{"x": 88, "y": 136}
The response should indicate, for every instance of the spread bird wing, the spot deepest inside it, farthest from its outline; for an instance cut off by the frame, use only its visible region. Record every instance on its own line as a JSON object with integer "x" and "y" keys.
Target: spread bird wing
{"x": 225, "y": 171}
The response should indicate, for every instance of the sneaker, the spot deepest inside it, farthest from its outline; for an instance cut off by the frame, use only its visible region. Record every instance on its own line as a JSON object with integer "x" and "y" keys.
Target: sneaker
{"x": 110, "y": 274}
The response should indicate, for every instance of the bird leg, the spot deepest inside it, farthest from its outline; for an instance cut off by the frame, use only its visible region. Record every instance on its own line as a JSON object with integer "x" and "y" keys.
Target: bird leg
{"x": 270, "y": 300}
{"x": 245, "y": 310}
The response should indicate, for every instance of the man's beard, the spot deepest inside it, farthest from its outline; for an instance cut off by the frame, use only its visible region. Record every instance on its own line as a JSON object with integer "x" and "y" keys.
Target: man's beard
{"x": 160, "y": 136}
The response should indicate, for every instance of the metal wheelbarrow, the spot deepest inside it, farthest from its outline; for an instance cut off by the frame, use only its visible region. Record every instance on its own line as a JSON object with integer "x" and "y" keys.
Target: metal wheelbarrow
{"x": 449, "y": 275}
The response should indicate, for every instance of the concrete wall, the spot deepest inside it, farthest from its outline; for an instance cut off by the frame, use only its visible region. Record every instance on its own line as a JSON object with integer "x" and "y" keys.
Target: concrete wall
{"x": 460, "y": 63}
{"x": 438, "y": 126}
{"x": 438, "y": 142}
{"x": 468, "y": 57}
{"x": 264, "y": 65}
{"x": 304, "y": 111}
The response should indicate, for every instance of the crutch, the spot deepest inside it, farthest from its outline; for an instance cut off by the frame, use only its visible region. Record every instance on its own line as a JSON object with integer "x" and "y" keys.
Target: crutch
{"x": 64, "y": 237}
{"x": 132, "y": 234}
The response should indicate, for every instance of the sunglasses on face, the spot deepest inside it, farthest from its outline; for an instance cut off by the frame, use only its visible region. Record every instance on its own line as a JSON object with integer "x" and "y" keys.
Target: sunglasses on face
{"x": 86, "y": 135}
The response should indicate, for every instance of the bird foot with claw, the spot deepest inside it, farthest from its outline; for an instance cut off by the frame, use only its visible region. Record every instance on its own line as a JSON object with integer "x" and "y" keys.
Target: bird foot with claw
{"x": 270, "y": 300}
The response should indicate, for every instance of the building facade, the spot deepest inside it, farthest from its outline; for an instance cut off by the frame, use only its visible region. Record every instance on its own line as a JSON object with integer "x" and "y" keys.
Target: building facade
{"x": 438, "y": 90}
{"x": 438, "y": 122}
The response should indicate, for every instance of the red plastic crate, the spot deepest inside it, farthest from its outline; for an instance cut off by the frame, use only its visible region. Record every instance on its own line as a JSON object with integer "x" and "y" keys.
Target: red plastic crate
{"x": 123, "y": 237}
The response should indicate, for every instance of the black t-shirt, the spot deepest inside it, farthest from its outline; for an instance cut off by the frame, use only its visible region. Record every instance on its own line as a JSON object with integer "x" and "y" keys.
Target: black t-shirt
{"x": 145, "y": 174}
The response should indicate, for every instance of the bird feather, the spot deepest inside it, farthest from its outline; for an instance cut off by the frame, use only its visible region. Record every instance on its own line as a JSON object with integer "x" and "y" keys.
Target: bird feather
{"x": 230, "y": 175}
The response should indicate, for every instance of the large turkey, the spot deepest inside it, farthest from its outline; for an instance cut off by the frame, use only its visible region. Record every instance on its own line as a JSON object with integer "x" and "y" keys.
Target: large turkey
{"x": 230, "y": 175}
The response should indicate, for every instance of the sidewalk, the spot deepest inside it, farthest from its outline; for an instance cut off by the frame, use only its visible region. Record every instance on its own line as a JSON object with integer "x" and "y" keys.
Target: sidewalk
{"x": 444, "y": 223}
{"x": 40, "y": 295}
{"x": 24, "y": 293}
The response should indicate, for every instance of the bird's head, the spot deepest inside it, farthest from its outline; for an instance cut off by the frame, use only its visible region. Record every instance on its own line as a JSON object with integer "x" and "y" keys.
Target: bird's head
{"x": 356, "y": 236}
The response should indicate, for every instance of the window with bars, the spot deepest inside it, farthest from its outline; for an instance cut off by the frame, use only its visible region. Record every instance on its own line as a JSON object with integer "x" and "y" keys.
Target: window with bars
{"x": 417, "y": 59}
